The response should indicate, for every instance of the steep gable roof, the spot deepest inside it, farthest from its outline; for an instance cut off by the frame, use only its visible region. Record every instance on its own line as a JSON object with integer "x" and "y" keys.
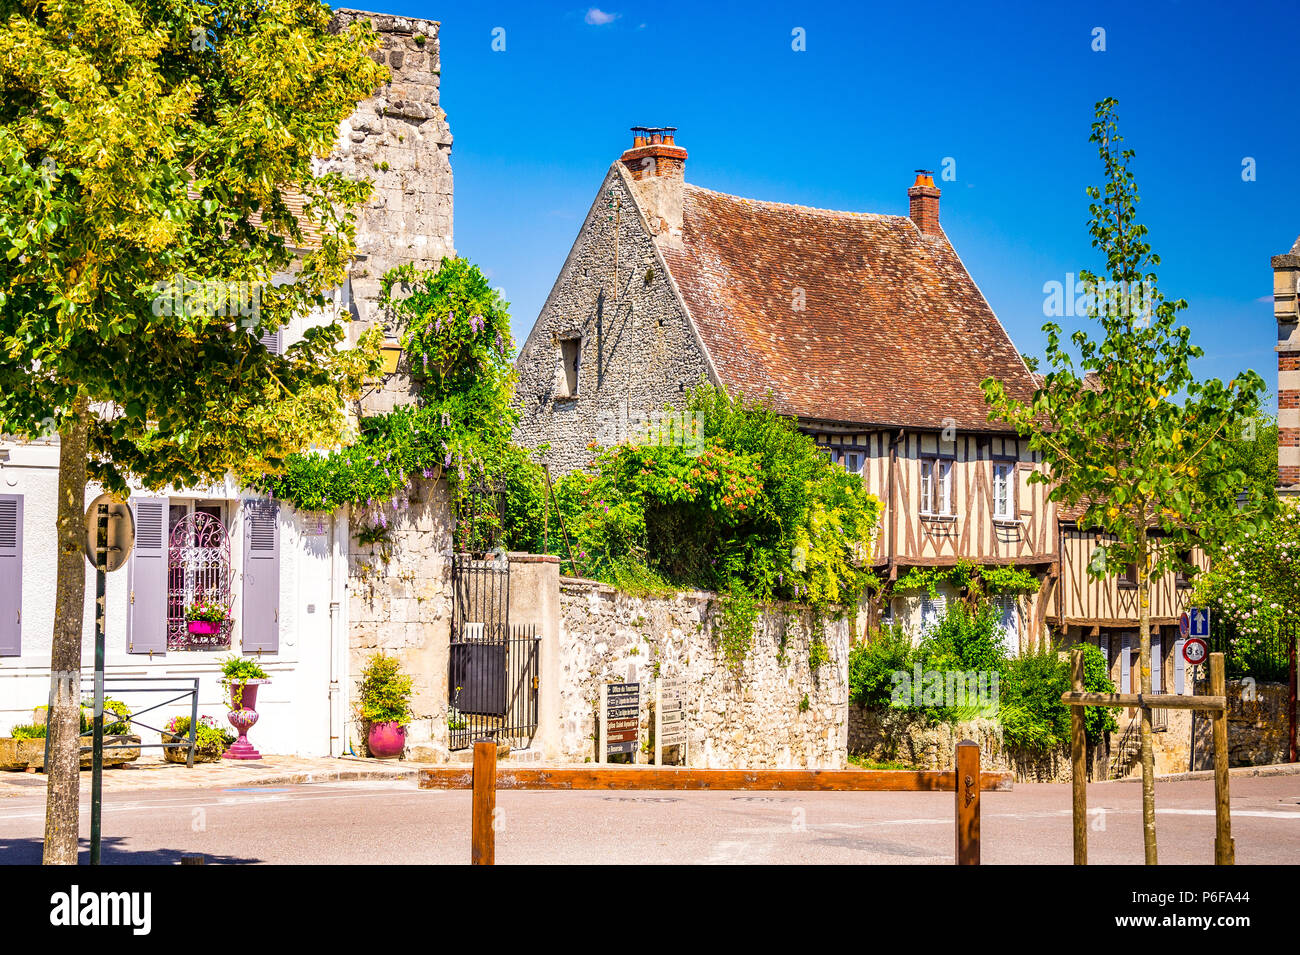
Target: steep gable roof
{"x": 893, "y": 330}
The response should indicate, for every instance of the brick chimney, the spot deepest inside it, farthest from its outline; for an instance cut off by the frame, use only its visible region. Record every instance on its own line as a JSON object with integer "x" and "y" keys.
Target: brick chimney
{"x": 1286, "y": 308}
{"x": 657, "y": 166}
{"x": 923, "y": 203}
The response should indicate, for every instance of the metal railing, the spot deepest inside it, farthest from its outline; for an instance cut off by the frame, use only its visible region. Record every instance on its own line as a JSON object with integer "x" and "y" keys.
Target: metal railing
{"x": 1265, "y": 657}
{"x": 182, "y": 687}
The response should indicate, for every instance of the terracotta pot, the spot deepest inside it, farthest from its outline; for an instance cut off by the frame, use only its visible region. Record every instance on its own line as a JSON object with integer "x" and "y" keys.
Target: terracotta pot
{"x": 386, "y": 740}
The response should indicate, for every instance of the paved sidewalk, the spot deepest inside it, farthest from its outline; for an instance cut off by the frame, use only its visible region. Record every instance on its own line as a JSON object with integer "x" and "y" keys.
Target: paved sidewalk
{"x": 150, "y": 772}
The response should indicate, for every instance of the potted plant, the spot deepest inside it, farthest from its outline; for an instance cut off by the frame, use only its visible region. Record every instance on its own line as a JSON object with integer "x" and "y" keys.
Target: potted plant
{"x": 205, "y": 618}
{"x": 385, "y": 706}
{"x": 242, "y": 676}
{"x": 210, "y": 740}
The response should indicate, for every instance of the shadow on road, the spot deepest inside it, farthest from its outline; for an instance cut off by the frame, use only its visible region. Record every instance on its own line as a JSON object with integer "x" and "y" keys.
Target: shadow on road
{"x": 28, "y": 852}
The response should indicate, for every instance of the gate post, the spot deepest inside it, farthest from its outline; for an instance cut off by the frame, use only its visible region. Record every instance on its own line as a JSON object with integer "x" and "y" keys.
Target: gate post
{"x": 966, "y": 786}
{"x": 483, "y": 844}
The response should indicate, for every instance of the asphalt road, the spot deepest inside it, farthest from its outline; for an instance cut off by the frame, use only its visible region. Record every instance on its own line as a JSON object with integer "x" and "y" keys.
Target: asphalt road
{"x": 393, "y": 822}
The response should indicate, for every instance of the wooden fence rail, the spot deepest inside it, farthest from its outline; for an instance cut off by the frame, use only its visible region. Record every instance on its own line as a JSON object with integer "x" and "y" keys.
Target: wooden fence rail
{"x": 966, "y": 780}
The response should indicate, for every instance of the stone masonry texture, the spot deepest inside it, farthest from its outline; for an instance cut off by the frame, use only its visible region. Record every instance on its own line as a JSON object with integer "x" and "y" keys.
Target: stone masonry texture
{"x": 758, "y": 719}
{"x": 638, "y": 352}
{"x": 399, "y": 138}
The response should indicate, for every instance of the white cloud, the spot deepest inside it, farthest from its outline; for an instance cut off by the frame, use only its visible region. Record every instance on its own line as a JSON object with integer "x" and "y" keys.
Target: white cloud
{"x": 597, "y": 17}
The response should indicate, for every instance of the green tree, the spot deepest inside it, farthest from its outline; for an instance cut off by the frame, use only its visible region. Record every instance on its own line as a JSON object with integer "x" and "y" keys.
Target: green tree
{"x": 1119, "y": 444}
{"x": 142, "y": 143}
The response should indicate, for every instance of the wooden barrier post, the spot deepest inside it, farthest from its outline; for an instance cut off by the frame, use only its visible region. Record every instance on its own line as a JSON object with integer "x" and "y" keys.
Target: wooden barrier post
{"x": 967, "y": 772}
{"x": 1224, "y": 850}
{"x": 965, "y": 780}
{"x": 1079, "y": 751}
{"x": 483, "y": 845}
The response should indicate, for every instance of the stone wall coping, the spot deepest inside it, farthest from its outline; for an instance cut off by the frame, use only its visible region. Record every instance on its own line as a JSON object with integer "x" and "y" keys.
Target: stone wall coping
{"x": 586, "y": 583}
{"x": 523, "y": 557}
{"x": 388, "y": 22}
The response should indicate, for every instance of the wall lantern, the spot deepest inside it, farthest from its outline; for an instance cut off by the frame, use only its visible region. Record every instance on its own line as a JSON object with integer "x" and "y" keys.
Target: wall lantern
{"x": 392, "y": 354}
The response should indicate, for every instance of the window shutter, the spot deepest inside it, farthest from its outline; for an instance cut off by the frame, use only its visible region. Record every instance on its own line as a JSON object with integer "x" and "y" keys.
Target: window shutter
{"x": 1125, "y": 653}
{"x": 1179, "y": 673}
{"x": 261, "y": 617}
{"x": 146, "y": 626}
{"x": 1157, "y": 663}
{"x": 272, "y": 340}
{"x": 11, "y": 576}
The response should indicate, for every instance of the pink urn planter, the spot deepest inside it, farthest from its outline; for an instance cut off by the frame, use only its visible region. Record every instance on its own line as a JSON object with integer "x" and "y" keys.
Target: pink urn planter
{"x": 242, "y": 716}
{"x": 204, "y": 627}
{"x": 386, "y": 740}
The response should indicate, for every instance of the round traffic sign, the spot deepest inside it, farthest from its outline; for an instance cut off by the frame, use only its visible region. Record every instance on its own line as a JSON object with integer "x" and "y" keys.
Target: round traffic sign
{"x": 121, "y": 532}
{"x": 1185, "y": 624}
{"x": 1195, "y": 650}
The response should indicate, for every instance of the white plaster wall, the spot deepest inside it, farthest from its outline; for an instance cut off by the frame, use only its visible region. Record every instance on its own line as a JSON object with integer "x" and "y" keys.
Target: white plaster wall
{"x": 295, "y": 707}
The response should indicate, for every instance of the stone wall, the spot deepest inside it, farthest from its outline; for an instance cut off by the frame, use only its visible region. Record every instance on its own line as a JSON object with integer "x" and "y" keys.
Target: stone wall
{"x": 399, "y": 599}
{"x": 896, "y": 736}
{"x": 775, "y": 714}
{"x": 1258, "y": 726}
{"x": 401, "y": 141}
{"x": 638, "y": 350}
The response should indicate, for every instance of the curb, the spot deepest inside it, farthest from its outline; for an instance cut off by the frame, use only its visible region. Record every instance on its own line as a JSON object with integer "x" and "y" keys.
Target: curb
{"x": 1278, "y": 769}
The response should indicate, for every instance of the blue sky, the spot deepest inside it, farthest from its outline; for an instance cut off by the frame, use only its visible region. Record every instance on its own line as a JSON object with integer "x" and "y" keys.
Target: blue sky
{"x": 1005, "y": 91}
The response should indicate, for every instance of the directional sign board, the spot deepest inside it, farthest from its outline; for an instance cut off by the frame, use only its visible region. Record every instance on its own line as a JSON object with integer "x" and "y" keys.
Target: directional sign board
{"x": 1200, "y": 623}
{"x": 623, "y": 717}
{"x": 1185, "y": 625}
{"x": 672, "y": 718}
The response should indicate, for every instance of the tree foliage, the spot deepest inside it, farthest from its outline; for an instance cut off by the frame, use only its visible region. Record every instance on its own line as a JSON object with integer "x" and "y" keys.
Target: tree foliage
{"x": 146, "y": 143}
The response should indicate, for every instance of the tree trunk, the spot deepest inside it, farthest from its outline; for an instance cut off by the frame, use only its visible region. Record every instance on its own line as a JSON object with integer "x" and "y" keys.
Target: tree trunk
{"x": 1144, "y": 673}
{"x": 62, "y": 811}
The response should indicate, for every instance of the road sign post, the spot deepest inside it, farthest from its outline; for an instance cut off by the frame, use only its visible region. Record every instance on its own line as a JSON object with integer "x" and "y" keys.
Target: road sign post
{"x": 110, "y": 535}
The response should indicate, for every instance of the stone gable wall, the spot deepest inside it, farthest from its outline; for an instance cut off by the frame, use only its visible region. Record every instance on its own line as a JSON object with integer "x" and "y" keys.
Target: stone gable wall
{"x": 757, "y": 720}
{"x": 638, "y": 351}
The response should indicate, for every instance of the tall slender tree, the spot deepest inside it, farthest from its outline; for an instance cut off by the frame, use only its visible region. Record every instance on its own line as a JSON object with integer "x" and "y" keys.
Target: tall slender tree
{"x": 145, "y": 143}
{"x": 1125, "y": 430}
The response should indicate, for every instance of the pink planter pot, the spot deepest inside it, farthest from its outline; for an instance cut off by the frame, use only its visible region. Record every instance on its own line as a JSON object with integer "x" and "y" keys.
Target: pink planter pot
{"x": 204, "y": 627}
{"x": 386, "y": 740}
{"x": 243, "y": 716}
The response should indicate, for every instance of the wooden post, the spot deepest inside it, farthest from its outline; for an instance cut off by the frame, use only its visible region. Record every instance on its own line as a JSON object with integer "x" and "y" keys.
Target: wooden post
{"x": 1224, "y": 850}
{"x": 483, "y": 846}
{"x": 967, "y": 772}
{"x": 1078, "y": 749}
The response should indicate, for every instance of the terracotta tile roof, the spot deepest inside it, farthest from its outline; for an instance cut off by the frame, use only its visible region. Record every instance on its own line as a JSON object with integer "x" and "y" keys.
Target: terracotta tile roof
{"x": 894, "y": 330}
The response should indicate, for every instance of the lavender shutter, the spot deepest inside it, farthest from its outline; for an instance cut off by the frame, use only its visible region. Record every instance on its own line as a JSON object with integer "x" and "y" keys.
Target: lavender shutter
{"x": 11, "y": 576}
{"x": 261, "y": 620}
{"x": 1157, "y": 663}
{"x": 146, "y": 625}
{"x": 1126, "y": 654}
{"x": 272, "y": 341}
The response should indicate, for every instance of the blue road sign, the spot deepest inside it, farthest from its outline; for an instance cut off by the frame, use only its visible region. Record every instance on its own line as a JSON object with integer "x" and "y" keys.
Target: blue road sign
{"x": 1200, "y": 621}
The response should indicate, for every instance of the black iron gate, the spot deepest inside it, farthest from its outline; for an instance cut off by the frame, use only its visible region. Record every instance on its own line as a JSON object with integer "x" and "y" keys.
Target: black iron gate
{"x": 494, "y": 687}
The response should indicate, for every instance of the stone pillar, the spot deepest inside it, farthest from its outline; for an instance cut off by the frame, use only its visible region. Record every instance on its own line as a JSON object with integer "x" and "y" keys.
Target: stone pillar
{"x": 535, "y": 601}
